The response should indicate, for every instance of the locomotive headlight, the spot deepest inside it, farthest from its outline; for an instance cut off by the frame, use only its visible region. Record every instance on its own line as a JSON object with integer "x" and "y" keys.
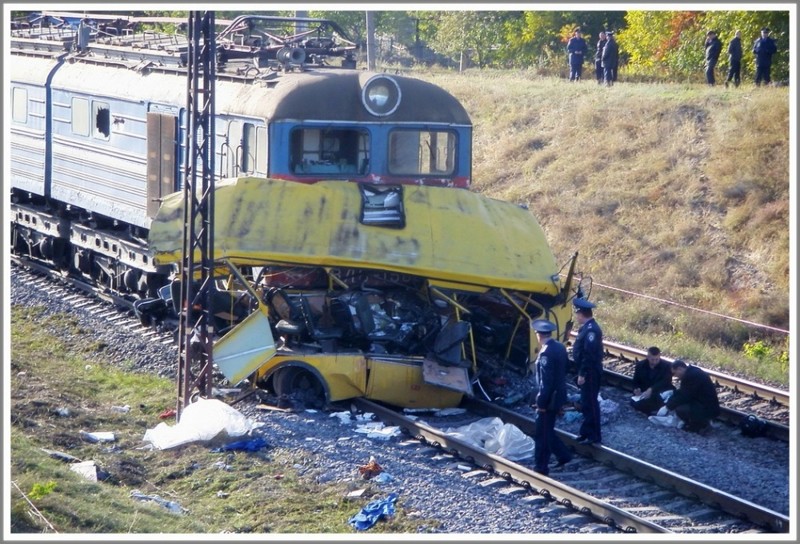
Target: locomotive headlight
{"x": 378, "y": 95}
{"x": 381, "y": 95}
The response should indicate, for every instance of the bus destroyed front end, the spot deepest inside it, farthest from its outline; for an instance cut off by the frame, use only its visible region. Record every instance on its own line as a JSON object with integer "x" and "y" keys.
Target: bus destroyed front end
{"x": 409, "y": 295}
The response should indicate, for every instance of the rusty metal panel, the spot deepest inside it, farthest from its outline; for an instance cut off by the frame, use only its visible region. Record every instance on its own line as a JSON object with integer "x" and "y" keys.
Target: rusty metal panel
{"x": 161, "y": 130}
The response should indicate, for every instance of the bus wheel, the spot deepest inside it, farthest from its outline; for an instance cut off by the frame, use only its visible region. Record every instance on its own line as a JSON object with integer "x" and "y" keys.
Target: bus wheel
{"x": 299, "y": 385}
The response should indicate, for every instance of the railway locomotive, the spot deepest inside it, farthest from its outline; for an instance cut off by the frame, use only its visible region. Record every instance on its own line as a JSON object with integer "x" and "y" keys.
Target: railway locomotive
{"x": 353, "y": 260}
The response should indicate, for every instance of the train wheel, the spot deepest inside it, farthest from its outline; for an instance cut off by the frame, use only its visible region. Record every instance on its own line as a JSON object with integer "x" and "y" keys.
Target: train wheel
{"x": 130, "y": 278}
{"x": 299, "y": 385}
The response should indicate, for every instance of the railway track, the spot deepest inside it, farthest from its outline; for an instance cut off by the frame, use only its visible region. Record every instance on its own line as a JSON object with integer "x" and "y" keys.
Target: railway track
{"x": 738, "y": 397}
{"x": 84, "y": 296}
{"x": 605, "y": 486}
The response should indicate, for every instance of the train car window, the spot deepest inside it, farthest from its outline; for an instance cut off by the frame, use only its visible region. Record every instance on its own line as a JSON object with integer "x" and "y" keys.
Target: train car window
{"x": 254, "y": 149}
{"x": 261, "y": 149}
{"x": 102, "y": 120}
{"x": 248, "y": 148}
{"x": 20, "y": 105}
{"x": 80, "y": 116}
{"x": 382, "y": 206}
{"x": 422, "y": 152}
{"x": 329, "y": 151}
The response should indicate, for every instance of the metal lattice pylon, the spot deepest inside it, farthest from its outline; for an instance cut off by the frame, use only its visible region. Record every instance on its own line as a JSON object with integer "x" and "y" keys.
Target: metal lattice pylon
{"x": 197, "y": 266}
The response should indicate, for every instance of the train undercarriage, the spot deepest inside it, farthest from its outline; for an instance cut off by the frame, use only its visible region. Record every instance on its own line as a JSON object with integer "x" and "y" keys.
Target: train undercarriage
{"x": 111, "y": 255}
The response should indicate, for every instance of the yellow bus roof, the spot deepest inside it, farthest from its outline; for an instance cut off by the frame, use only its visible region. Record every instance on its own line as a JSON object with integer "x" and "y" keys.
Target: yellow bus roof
{"x": 450, "y": 235}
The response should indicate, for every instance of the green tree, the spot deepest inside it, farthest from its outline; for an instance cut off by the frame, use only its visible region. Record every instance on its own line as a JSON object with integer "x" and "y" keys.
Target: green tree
{"x": 669, "y": 45}
{"x": 477, "y": 35}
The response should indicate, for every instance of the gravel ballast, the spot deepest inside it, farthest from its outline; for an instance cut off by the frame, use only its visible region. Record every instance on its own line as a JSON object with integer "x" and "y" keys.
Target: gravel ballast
{"x": 756, "y": 469}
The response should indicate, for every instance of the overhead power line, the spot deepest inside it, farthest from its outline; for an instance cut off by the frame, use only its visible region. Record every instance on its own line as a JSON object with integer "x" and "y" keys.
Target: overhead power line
{"x": 671, "y": 303}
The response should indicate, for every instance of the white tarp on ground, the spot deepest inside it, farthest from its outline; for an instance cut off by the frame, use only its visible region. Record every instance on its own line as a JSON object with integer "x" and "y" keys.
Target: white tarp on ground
{"x": 200, "y": 421}
{"x": 494, "y": 436}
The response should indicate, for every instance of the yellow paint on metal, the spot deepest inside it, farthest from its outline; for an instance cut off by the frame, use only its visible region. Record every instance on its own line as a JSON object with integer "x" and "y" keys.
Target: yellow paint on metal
{"x": 345, "y": 374}
{"x": 401, "y": 382}
{"x": 394, "y": 380}
{"x": 244, "y": 348}
{"x": 451, "y": 235}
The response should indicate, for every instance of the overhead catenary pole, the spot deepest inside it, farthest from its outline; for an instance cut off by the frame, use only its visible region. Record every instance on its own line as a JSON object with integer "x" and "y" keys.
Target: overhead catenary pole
{"x": 197, "y": 267}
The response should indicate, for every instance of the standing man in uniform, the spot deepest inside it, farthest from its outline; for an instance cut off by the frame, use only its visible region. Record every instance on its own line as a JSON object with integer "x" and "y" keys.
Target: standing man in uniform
{"x": 576, "y": 48}
{"x": 735, "y": 60}
{"x": 764, "y": 48}
{"x": 610, "y": 59}
{"x": 551, "y": 370}
{"x": 588, "y": 354}
{"x": 598, "y": 57}
{"x": 713, "y": 49}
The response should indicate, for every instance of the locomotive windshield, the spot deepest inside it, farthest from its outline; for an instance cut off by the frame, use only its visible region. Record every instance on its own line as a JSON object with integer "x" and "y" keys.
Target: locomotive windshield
{"x": 329, "y": 151}
{"x": 348, "y": 151}
{"x": 413, "y": 152}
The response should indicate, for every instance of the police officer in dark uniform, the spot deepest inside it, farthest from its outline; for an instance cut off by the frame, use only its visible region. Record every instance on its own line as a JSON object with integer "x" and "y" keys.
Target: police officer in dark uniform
{"x": 576, "y": 47}
{"x": 588, "y": 354}
{"x": 610, "y": 59}
{"x": 713, "y": 48}
{"x": 764, "y": 48}
{"x": 735, "y": 60}
{"x": 651, "y": 377}
{"x": 551, "y": 369}
{"x": 598, "y": 57}
{"x": 695, "y": 402}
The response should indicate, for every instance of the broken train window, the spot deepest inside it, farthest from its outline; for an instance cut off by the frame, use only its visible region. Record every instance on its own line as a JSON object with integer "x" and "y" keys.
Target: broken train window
{"x": 382, "y": 206}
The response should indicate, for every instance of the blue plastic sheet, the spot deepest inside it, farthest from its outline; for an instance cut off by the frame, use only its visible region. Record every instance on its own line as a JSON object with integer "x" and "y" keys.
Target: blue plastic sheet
{"x": 372, "y": 512}
{"x": 253, "y": 444}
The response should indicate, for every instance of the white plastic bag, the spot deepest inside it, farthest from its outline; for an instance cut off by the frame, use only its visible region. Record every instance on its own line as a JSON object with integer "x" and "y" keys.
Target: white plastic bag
{"x": 669, "y": 420}
{"x": 491, "y": 434}
{"x": 200, "y": 421}
{"x": 511, "y": 443}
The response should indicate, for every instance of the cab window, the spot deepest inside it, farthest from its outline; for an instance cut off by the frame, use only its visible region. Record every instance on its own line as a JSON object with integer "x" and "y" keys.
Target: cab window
{"x": 329, "y": 151}
{"x": 422, "y": 152}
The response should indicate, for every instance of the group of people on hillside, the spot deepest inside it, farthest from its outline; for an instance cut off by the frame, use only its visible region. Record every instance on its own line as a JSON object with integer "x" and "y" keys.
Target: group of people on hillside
{"x": 763, "y": 49}
{"x": 694, "y": 402}
{"x": 606, "y": 57}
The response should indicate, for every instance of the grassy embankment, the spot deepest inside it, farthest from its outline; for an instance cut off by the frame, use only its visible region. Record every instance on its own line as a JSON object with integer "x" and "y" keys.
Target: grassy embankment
{"x": 678, "y": 192}
{"x": 62, "y": 383}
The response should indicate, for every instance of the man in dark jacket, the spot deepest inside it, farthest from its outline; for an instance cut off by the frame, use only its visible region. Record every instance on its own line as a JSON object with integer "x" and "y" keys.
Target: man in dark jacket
{"x": 551, "y": 370}
{"x": 735, "y": 60}
{"x": 695, "y": 402}
{"x": 598, "y": 57}
{"x": 651, "y": 377}
{"x": 610, "y": 59}
{"x": 713, "y": 49}
{"x": 588, "y": 354}
{"x": 763, "y": 49}
{"x": 576, "y": 47}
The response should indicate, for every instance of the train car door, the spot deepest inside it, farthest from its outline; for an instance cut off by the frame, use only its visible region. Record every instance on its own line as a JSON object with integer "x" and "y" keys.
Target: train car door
{"x": 161, "y": 158}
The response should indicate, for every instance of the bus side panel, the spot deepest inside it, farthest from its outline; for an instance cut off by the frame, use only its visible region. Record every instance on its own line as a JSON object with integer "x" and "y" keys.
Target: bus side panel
{"x": 401, "y": 383}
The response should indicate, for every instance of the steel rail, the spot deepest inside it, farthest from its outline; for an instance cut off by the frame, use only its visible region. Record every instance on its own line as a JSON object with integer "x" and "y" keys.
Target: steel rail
{"x": 100, "y": 292}
{"x": 512, "y": 472}
{"x": 740, "y": 385}
{"x": 728, "y": 415}
{"x": 686, "y": 487}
